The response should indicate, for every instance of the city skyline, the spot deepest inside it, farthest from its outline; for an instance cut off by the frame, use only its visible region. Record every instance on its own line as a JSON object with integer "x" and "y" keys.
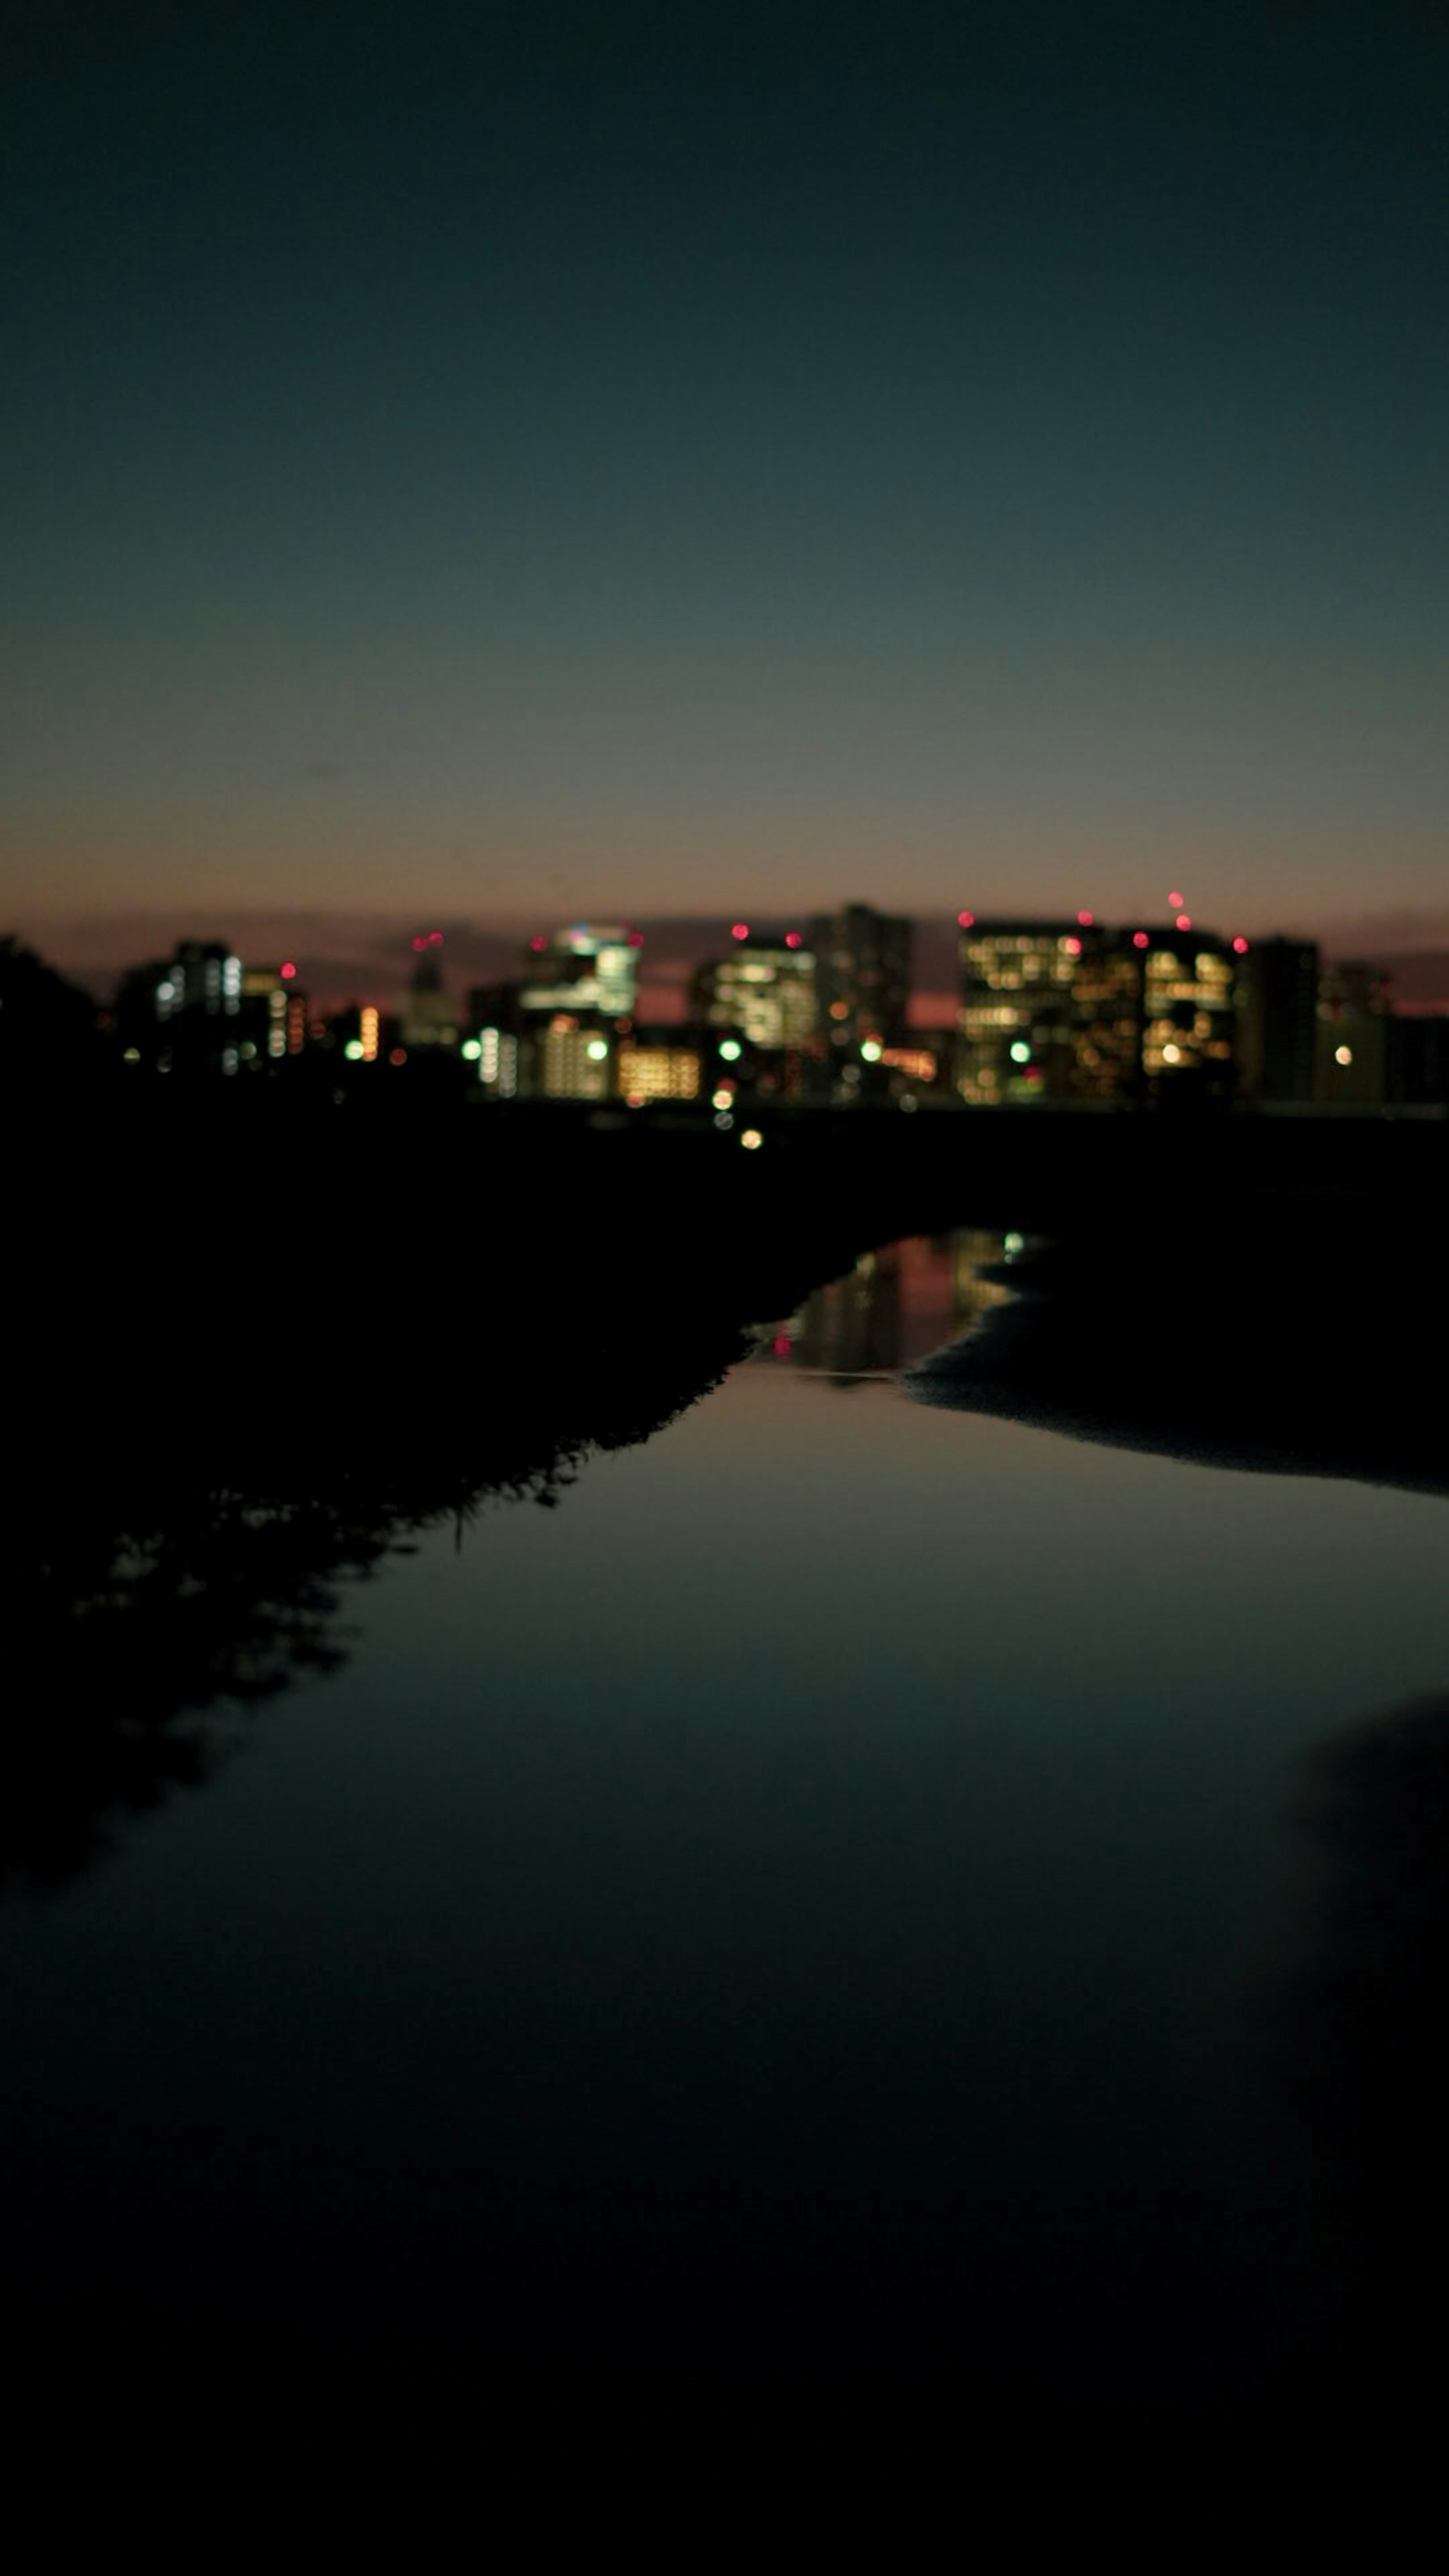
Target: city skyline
{"x": 503, "y": 475}
{"x": 346, "y": 960}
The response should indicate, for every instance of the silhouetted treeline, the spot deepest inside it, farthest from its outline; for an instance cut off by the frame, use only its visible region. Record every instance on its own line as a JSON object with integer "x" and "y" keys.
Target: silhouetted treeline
{"x": 251, "y": 1361}
{"x": 50, "y": 1038}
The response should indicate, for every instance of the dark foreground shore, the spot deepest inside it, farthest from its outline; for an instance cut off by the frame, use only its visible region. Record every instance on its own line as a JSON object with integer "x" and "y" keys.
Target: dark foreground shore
{"x": 256, "y": 1347}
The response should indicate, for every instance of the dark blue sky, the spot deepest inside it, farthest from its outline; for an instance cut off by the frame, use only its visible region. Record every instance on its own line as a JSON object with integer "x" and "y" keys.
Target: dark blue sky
{"x": 618, "y": 458}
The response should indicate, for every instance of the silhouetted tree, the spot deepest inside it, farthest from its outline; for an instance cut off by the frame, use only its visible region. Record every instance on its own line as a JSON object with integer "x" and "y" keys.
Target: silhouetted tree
{"x": 48, "y": 1027}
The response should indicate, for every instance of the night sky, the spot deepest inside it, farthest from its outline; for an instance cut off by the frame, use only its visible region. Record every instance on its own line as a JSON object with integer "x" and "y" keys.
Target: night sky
{"x": 619, "y": 459}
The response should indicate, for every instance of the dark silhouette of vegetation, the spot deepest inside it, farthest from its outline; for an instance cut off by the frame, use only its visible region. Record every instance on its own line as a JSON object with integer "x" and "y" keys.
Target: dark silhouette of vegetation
{"x": 253, "y": 1360}
{"x": 50, "y": 1037}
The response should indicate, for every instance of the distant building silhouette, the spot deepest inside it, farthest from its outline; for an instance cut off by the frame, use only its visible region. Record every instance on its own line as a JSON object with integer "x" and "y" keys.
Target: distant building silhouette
{"x": 1351, "y": 1064}
{"x": 1418, "y": 1059}
{"x": 1277, "y": 1002}
{"x": 862, "y": 975}
{"x": 428, "y": 1013}
{"x": 183, "y": 1015}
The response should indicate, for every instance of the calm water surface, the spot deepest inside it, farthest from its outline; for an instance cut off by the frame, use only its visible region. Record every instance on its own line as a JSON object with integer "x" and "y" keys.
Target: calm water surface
{"x": 832, "y": 1885}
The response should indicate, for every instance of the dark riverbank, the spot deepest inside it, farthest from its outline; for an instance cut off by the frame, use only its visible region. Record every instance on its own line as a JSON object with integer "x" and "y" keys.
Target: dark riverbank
{"x": 260, "y": 1344}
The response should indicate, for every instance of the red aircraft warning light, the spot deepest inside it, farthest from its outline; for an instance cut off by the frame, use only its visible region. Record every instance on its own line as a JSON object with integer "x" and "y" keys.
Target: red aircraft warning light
{"x": 1139, "y": 938}
{"x": 1240, "y": 946}
{"x": 966, "y": 920}
{"x": 793, "y": 939}
{"x": 1085, "y": 920}
{"x": 288, "y": 971}
{"x": 1176, "y": 902}
{"x": 1184, "y": 921}
{"x": 739, "y": 930}
{"x": 636, "y": 938}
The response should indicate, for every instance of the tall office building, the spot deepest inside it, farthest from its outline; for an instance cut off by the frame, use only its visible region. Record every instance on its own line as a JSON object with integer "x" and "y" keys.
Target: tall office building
{"x": 862, "y": 975}
{"x": 184, "y": 1014}
{"x": 767, "y": 993}
{"x": 1189, "y": 1022}
{"x": 274, "y": 1014}
{"x": 574, "y": 1059}
{"x": 590, "y": 966}
{"x": 658, "y": 1064}
{"x": 1072, "y": 1011}
{"x": 1017, "y": 1010}
{"x": 1277, "y": 1032}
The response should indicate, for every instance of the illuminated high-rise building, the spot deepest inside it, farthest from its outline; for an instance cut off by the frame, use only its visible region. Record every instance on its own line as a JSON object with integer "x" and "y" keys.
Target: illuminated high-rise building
{"x": 765, "y": 991}
{"x": 574, "y": 1059}
{"x": 1017, "y": 1010}
{"x": 657, "y": 1064}
{"x": 1189, "y": 1021}
{"x": 589, "y": 966}
{"x": 1071, "y": 1011}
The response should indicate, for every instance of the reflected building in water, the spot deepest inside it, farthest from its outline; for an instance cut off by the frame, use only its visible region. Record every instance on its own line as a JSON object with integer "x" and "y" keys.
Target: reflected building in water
{"x": 896, "y": 1306}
